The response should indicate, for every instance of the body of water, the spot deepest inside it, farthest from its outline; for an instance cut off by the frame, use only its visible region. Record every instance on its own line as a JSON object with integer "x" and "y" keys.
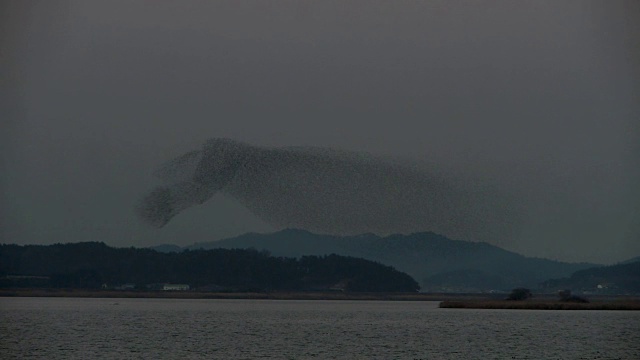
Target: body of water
{"x": 81, "y": 328}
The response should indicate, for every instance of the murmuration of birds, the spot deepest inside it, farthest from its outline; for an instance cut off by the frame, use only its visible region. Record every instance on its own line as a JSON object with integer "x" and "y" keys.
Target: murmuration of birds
{"x": 328, "y": 191}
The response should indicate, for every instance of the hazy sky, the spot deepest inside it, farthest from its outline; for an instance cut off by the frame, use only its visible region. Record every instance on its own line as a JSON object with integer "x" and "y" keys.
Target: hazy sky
{"x": 539, "y": 98}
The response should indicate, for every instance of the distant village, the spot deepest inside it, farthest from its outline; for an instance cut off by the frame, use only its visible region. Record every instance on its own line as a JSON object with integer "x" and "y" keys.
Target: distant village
{"x": 161, "y": 287}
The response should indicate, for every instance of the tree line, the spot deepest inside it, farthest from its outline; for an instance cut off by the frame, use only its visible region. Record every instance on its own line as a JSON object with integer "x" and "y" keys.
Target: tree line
{"x": 94, "y": 265}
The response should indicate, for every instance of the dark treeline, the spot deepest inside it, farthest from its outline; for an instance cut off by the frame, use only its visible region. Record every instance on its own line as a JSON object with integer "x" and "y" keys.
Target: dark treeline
{"x": 614, "y": 279}
{"x": 95, "y": 265}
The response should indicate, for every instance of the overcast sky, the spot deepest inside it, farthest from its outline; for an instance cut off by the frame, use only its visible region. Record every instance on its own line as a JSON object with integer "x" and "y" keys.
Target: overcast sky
{"x": 539, "y": 98}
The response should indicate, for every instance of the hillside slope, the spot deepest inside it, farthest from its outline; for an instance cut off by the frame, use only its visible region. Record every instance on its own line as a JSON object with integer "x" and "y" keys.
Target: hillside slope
{"x": 622, "y": 278}
{"x": 96, "y": 265}
{"x": 438, "y": 263}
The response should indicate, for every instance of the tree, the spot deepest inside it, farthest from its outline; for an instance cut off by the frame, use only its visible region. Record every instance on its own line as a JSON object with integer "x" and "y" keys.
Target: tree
{"x": 565, "y": 296}
{"x": 520, "y": 294}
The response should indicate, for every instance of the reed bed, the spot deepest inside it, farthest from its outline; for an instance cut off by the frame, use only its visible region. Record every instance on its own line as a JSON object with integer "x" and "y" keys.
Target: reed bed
{"x": 460, "y": 301}
{"x": 541, "y": 305}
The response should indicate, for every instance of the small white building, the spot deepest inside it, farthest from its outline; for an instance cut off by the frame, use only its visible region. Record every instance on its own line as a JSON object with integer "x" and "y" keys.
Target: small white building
{"x": 175, "y": 287}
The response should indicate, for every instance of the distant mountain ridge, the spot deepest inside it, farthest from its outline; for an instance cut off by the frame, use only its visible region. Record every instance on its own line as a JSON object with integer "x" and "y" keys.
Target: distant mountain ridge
{"x": 438, "y": 263}
{"x": 630, "y": 261}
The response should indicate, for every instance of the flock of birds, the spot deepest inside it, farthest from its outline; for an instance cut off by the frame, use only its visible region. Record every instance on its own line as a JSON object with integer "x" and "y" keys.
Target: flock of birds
{"x": 328, "y": 191}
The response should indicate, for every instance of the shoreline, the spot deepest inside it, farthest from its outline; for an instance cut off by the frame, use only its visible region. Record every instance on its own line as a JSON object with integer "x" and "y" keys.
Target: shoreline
{"x": 159, "y": 294}
{"x": 532, "y": 304}
{"x": 448, "y": 300}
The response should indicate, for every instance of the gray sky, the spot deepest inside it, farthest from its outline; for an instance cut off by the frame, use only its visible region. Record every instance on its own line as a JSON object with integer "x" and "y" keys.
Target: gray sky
{"x": 539, "y": 98}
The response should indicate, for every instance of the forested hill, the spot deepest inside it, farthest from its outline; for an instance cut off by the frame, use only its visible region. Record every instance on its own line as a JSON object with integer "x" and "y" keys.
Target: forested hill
{"x": 438, "y": 263}
{"x": 622, "y": 278}
{"x": 93, "y": 265}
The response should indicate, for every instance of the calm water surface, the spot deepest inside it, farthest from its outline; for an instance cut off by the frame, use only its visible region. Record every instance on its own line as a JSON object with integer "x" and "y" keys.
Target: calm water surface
{"x": 75, "y": 328}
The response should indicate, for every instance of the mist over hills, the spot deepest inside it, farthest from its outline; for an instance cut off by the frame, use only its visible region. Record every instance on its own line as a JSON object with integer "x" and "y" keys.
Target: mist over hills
{"x": 629, "y": 261}
{"x": 436, "y": 262}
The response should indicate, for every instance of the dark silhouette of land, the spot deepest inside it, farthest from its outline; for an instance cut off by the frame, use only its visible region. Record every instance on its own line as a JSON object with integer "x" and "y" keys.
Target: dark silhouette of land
{"x": 98, "y": 266}
{"x": 296, "y": 261}
{"x": 623, "y": 278}
{"x": 438, "y": 263}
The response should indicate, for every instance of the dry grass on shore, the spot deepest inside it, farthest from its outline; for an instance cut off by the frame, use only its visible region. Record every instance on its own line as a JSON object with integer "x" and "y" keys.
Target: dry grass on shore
{"x": 543, "y": 305}
{"x": 460, "y": 301}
